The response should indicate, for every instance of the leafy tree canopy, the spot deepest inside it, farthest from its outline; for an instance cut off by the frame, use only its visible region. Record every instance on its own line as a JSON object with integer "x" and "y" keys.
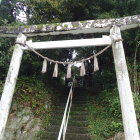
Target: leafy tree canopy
{"x": 48, "y": 11}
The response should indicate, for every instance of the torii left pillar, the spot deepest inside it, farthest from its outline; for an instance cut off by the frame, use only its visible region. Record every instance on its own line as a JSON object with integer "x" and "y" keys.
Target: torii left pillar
{"x": 10, "y": 83}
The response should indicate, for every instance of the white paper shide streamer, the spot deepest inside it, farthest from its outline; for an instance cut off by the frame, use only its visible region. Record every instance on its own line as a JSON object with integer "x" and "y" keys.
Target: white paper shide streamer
{"x": 55, "y": 72}
{"x": 44, "y": 66}
{"x": 96, "y": 66}
{"x": 68, "y": 71}
{"x": 82, "y": 70}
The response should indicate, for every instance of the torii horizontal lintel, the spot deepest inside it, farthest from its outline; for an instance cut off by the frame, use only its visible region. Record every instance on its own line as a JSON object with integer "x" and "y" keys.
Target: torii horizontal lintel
{"x": 79, "y": 27}
{"x": 104, "y": 41}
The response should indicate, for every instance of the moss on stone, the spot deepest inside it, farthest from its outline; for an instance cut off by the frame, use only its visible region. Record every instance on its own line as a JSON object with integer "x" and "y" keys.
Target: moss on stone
{"x": 66, "y": 26}
{"x": 27, "y": 26}
{"x": 12, "y": 27}
{"x": 40, "y": 26}
{"x": 57, "y": 24}
{"x": 82, "y": 22}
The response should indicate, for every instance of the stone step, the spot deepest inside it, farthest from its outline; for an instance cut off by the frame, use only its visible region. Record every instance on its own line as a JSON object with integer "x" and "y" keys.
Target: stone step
{"x": 73, "y": 108}
{"x": 75, "y": 95}
{"x": 79, "y": 130}
{"x": 78, "y": 117}
{"x": 63, "y": 105}
{"x": 80, "y": 102}
{"x": 70, "y": 123}
{"x": 70, "y": 129}
{"x": 71, "y": 117}
{"x": 77, "y": 125}
{"x": 69, "y": 136}
{"x": 75, "y": 102}
{"x": 61, "y": 112}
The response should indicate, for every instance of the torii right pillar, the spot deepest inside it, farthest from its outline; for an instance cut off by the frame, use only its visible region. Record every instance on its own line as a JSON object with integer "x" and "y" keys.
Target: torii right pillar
{"x": 125, "y": 93}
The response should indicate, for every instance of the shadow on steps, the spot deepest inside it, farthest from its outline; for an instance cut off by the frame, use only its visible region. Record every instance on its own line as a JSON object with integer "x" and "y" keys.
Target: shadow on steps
{"x": 77, "y": 125}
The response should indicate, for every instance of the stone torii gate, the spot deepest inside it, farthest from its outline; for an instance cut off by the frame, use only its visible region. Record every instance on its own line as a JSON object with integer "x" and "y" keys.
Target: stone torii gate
{"x": 114, "y": 26}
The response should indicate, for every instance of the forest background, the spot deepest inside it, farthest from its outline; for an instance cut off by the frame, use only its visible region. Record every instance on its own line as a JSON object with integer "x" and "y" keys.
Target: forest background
{"x": 30, "y": 12}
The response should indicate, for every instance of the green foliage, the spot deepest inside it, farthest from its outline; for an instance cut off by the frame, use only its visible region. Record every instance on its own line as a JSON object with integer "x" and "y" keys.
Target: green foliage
{"x": 1, "y": 87}
{"x": 105, "y": 111}
{"x": 48, "y": 11}
{"x": 110, "y": 98}
{"x": 99, "y": 130}
{"x": 105, "y": 114}
{"x": 8, "y": 12}
{"x": 136, "y": 98}
{"x": 116, "y": 126}
{"x": 130, "y": 7}
{"x": 30, "y": 92}
{"x": 102, "y": 124}
{"x": 106, "y": 79}
{"x": 5, "y": 55}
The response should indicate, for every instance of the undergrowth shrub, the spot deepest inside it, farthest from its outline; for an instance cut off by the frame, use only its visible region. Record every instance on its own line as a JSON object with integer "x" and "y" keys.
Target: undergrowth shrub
{"x": 110, "y": 99}
{"x": 1, "y": 87}
{"x": 105, "y": 117}
{"x": 136, "y": 98}
{"x": 31, "y": 92}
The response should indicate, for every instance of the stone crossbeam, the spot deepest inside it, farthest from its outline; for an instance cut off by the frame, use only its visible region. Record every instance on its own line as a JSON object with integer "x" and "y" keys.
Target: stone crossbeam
{"x": 78, "y": 27}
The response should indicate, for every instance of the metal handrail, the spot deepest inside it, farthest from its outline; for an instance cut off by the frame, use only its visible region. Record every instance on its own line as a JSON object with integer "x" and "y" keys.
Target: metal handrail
{"x": 64, "y": 123}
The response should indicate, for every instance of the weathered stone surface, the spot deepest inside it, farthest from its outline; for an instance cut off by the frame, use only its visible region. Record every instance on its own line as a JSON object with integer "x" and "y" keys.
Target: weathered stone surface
{"x": 118, "y": 136}
{"x": 89, "y": 26}
{"x": 22, "y": 126}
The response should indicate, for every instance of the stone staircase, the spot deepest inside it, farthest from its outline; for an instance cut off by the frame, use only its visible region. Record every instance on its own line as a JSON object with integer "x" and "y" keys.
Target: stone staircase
{"x": 77, "y": 125}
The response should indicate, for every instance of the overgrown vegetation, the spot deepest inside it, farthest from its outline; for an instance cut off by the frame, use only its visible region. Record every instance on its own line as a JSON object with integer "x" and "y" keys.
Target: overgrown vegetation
{"x": 105, "y": 113}
{"x": 105, "y": 118}
{"x": 31, "y": 92}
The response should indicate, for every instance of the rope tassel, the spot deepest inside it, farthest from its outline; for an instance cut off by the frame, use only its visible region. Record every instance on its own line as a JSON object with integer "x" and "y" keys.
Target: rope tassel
{"x": 69, "y": 71}
{"x": 96, "y": 66}
{"x": 55, "y": 72}
{"x": 82, "y": 70}
{"x": 44, "y": 66}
